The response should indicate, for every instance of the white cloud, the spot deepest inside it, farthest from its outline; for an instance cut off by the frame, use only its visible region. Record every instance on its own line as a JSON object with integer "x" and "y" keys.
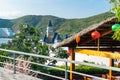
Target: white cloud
{"x": 9, "y": 10}
{"x": 11, "y": 14}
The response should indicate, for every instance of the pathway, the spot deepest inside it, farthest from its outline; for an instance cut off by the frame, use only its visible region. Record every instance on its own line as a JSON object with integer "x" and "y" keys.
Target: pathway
{"x": 8, "y": 75}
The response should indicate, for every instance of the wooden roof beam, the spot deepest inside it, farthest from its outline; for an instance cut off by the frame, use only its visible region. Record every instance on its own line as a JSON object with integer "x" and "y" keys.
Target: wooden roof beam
{"x": 102, "y": 34}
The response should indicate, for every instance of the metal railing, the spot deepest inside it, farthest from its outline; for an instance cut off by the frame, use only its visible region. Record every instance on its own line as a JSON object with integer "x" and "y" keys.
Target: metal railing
{"x": 53, "y": 58}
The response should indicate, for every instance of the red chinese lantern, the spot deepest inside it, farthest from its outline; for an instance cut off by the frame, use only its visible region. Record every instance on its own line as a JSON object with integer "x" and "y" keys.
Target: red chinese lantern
{"x": 69, "y": 51}
{"x": 95, "y": 35}
{"x": 77, "y": 39}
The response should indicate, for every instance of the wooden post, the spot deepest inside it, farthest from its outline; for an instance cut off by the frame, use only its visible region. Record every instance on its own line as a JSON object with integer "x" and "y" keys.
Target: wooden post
{"x": 72, "y": 65}
{"x": 111, "y": 64}
{"x": 110, "y": 71}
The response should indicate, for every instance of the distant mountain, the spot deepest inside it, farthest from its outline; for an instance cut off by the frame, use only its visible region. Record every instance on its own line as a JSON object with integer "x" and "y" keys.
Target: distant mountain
{"x": 5, "y": 23}
{"x": 40, "y": 22}
{"x": 61, "y": 25}
{"x": 72, "y": 26}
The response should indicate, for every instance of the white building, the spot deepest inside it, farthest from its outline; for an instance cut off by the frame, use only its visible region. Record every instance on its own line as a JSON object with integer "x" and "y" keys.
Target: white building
{"x": 51, "y": 37}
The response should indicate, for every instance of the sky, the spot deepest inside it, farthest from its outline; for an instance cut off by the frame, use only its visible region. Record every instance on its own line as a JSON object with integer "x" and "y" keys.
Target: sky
{"x": 10, "y": 9}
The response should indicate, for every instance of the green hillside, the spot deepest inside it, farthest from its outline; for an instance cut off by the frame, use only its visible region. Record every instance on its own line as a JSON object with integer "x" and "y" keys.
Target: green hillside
{"x": 61, "y": 25}
{"x": 76, "y": 25}
{"x": 38, "y": 21}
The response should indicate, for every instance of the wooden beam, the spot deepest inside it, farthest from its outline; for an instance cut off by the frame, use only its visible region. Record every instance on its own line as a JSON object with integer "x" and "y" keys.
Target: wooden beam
{"x": 101, "y": 49}
{"x": 72, "y": 65}
{"x": 102, "y": 34}
{"x": 106, "y": 25}
{"x": 106, "y": 32}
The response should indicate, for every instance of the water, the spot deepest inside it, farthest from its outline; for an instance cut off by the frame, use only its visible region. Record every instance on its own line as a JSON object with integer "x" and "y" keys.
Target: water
{"x": 4, "y": 40}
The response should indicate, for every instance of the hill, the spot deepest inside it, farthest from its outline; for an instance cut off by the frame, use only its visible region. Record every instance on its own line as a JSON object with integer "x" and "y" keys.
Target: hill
{"x": 38, "y": 21}
{"x": 61, "y": 25}
{"x": 5, "y": 23}
{"x": 76, "y": 25}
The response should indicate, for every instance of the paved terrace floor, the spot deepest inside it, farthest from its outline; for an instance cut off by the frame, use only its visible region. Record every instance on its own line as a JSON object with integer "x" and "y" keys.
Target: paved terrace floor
{"x": 8, "y": 75}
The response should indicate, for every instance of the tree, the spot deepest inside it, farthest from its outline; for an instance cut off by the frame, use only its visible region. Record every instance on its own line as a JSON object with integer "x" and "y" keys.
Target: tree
{"x": 58, "y": 53}
{"x": 116, "y": 35}
{"x": 116, "y": 10}
{"x": 27, "y": 40}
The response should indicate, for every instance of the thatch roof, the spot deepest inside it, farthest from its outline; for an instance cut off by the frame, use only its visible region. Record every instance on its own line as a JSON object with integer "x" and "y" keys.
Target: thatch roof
{"x": 104, "y": 27}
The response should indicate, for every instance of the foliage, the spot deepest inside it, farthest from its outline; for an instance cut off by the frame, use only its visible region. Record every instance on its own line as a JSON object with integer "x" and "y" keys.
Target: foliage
{"x": 79, "y": 68}
{"x": 60, "y": 53}
{"x": 116, "y": 8}
{"x": 1, "y": 58}
{"x": 90, "y": 70}
{"x": 72, "y": 26}
{"x": 27, "y": 40}
{"x": 40, "y": 22}
{"x": 55, "y": 72}
{"x": 116, "y": 35}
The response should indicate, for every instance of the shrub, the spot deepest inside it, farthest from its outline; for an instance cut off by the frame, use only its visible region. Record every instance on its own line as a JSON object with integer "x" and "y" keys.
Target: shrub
{"x": 90, "y": 70}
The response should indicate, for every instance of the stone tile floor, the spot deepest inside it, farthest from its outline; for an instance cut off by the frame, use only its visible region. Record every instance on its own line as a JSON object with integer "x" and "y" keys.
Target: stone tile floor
{"x": 6, "y": 74}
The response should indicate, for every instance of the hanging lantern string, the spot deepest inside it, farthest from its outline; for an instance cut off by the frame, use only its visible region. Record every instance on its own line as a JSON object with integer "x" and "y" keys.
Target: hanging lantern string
{"x": 77, "y": 45}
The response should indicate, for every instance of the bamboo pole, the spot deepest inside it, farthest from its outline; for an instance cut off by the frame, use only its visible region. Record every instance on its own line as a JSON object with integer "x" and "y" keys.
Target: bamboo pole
{"x": 98, "y": 44}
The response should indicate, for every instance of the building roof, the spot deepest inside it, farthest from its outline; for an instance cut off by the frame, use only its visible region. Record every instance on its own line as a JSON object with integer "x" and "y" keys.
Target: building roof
{"x": 49, "y": 23}
{"x": 104, "y": 27}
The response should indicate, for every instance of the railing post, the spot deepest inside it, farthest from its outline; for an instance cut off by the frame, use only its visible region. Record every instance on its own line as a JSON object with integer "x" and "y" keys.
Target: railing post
{"x": 66, "y": 75}
{"x": 14, "y": 62}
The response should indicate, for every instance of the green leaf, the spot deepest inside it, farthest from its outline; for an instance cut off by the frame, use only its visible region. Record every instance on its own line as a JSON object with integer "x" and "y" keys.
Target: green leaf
{"x": 116, "y": 35}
